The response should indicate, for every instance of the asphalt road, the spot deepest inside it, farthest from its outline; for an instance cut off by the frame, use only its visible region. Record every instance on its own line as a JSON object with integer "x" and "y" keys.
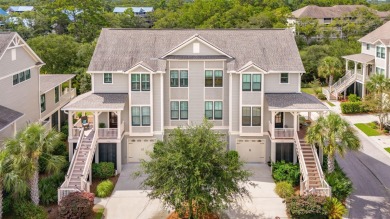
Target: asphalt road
{"x": 369, "y": 170}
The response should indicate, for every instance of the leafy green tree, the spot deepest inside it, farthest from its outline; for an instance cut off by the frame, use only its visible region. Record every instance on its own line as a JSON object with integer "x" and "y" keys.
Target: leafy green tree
{"x": 311, "y": 57}
{"x": 307, "y": 27}
{"x": 378, "y": 98}
{"x": 27, "y": 147}
{"x": 329, "y": 68}
{"x": 203, "y": 177}
{"x": 339, "y": 137}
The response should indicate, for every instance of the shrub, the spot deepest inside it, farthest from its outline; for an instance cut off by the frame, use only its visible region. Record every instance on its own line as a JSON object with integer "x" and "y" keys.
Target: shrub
{"x": 64, "y": 129}
{"x": 104, "y": 189}
{"x": 352, "y": 107}
{"x": 103, "y": 170}
{"x": 353, "y": 98}
{"x": 48, "y": 188}
{"x": 335, "y": 209}
{"x": 341, "y": 185}
{"x": 7, "y": 203}
{"x": 305, "y": 207}
{"x": 284, "y": 189}
{"x": 28, "y": 210}
{"x": 321, "y": 96}
{"x": 76, "y": 205}
{"x": 282, "y": 171}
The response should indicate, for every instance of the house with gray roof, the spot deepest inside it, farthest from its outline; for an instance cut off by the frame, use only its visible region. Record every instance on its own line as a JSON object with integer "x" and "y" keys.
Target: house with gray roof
{"x": 19, "y": 9}
{"x": 138, "y": 11}
{"x": 147, "y": 82}
{"x": 25, "y": 95}
{"x": 373, "y": 59}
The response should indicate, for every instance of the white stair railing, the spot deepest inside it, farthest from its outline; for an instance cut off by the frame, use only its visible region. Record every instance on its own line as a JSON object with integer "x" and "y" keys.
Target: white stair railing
{"x": 88, "y": 163}
{"x": 343, "y": 82}
{"x": 75, "y": 154}
{"x": 302, "y": 166}
{"x": 325, "y": 188}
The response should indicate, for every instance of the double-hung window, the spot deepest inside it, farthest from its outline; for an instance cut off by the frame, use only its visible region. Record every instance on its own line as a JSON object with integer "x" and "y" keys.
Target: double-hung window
{"x": 28, "y": 74}
{"x": 379, "y": 70}
{"x": 183, "y": 78}
{"x": 256, "y": 82}
{"x": 284, "y": 78}
{"x": 43, "y": 103}
{"x": 135, "y": 82}
{"x": 380, "y": 52}
{"x": 246, "y": 82}
{"x": 179, "y": 109}
{"x": 140, "y": 116}
{"x": 174, "y": 78}
{"x": 107, "y": 78}
{"x": 22, "y": 76}
{"x": 145, "y": 82}
{"x": 251, "y": 116}
{"x": 213, "y": 78}
{"x": 213, "y": 110}
{"x": 179, "y": 78}
{"x": 140, "y": 82}
{"x": 56, "y": 94}
{"x": 15, "y": 79}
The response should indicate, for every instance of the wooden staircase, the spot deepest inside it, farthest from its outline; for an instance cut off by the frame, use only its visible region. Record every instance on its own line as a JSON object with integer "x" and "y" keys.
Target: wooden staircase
{"x": 312, "y": 170}
{"x": 76, "y": 178}
{"x": 340, "y": 85}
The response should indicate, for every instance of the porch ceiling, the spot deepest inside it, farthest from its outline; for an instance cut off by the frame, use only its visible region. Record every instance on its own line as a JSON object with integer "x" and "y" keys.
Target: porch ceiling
{"x": 294, "y": 102}
{"x": 8, "y": 116}
{"x": 97, "y": 102}
{"x": 361, "y": 58}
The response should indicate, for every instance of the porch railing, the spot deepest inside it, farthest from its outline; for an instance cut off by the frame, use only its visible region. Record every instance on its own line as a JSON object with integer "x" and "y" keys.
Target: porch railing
{"x": 304, "y": 184}
{"x": 107, "y": 133}
{"x": 88, "y": 164}
{"x": 76, "y": 132}
{"x": 280, "y": 132}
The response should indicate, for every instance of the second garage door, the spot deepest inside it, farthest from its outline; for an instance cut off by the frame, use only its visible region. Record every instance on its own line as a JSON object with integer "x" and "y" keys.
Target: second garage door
{"x": 251, "y": 150}
{"x": 137, "y": 148}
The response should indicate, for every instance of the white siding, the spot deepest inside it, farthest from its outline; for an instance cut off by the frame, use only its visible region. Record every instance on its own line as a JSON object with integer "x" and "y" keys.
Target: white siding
{"x": 120, "y": 83}
{"x": 272, "y": 83}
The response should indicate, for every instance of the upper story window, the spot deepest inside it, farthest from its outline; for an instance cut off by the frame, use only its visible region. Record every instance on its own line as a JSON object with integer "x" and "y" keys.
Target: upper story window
{"x": 176, "y": 80}
{"x": 140, "y": 82}
{"x": 140, "y": 115}
{"x": 179, "y": 109}
{"x": 213, "y": 110}
{"x": 20, "y": 77}
{"x": 251, "y": 82}
{"x": 43, "y": 103}
{"x": 57, "y": 94}
{"x": 379, "y": 70}
{"x": 107, "y": 78}
{"x": 251, "y": 116}
{"x": 368, "y": 46}
{"x": 380, "y": 52}
{"x": 284, "y": 78}
{"x": 213, "y": 78}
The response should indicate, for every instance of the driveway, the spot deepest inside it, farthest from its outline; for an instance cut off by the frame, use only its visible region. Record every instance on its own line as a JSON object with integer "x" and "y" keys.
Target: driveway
{"x": 129, "y": 202}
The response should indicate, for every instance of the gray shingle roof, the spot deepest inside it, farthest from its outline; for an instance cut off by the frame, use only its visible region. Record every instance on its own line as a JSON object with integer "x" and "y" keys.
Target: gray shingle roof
{"x": 8, "y": 116}
{"x": 50, "y": 81}
{"x": 5, "y": 39}
{"x": 314, "y": 11}
{"x": 294, "y": 101}
{"x": 361, "y": 57}
{"x": 97, "y": 101}
{"x": 379, "y": 33}
{"x": 121, "y": 49}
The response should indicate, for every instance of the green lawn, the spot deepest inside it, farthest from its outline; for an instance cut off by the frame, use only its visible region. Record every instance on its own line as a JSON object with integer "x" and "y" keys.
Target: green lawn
{"x": 308, "y": 90}
{"x": 387, "y": 149}
{"x": 330, "y": 103}
{"x": 367, "y": 129}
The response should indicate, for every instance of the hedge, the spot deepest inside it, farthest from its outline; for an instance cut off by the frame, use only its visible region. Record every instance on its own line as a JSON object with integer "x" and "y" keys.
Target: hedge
{"x": 352, "y": 107}
{"x": 289, "y": 172}
{"x": 307, "y": 207}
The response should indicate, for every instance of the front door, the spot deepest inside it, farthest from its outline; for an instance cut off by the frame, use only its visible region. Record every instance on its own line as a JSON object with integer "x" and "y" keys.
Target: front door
{"x": 279, "y": 120}
{"x": 113, "y": 120}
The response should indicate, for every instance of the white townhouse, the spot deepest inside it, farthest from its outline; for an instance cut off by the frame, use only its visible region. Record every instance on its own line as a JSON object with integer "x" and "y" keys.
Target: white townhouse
{"x": 147, "y": 82}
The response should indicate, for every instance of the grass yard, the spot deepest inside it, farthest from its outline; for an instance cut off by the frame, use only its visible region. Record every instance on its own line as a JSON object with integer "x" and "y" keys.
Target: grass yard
{"x": 367, "y": 129}
{"x": 387, "y": 149}
{"x": 330, "y": 103}
{"x": 308, "y": 90}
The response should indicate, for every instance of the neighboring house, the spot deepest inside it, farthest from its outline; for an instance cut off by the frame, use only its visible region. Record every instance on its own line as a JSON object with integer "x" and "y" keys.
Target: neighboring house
{"x": 138, "y": 11}
{"x": 25, "y": 95}
{"x": 147, "y": 82}
{"x": 373, "y": 59}
{"x": 325, "y": 15}
{"x": 19, "y": 9}
{"x": 3, "y": 13}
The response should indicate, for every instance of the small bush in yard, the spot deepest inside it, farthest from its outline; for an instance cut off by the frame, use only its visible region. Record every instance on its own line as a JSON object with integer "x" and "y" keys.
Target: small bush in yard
{"x": 103, "y": 170}
{"x": 76, "y": 205}
{"x": 7, "y": 204}
{"x": 341, "y": 185}
{"x": 335, "y": 208}
{"x": 282, "y": 171}
{"x": 284, "y": 189}
{"x": 28, "y": 210}
{"x": 104, "y": 189}
{"x": 306, "y": 207}
{"x": 48, "y": 188}
{"x": 352, "y": 107}
{"x": 321, "y": 96}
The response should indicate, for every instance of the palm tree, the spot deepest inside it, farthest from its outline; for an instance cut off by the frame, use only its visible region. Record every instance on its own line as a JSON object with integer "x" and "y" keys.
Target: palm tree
{"x": 333, "y": 135}
{"x": 29, "y": 145}
{"x": 329, "y": 67}
{"x": 377, "y": 100}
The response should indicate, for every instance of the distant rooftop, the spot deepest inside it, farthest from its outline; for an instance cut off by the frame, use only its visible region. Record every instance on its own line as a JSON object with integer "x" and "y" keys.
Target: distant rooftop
{"x": 381, "y": 33}
{"x": 314, "y": 11}
{"x": 8, "y": 116}
{"x": 135, "y": 9}
{"x": 3, "y": 13}
{"x": 20, "y": 8}
{"x": 50, "y": 81}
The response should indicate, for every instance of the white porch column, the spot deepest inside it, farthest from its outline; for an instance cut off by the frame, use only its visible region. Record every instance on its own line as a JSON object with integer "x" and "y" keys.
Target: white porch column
{"x": 346, "y": 65}
{"x": 273, "y": 113}
{"x": 364, "y": 80}
{"x": 355, "y": 69}
{"x": 119, "y": 157}
{"x": 296, "y": 127}
{"x": 309, "y": 115}
{"x": 59, "y": 120}
{"x": 119, "y": 124}
{"x": 273, "y": 152}
{"x": 14, "y": 126}
{"x": 70, "y": 84}
{"x": 96, "y": 122}
{"x": 70, "y": 124}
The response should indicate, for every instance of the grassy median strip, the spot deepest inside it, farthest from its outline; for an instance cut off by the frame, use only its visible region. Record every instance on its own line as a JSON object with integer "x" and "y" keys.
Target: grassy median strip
{"x": 367, "y": 129}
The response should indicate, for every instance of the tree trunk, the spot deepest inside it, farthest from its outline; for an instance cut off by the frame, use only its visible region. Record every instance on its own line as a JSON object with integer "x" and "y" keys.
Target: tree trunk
{"x": 330, "y": 83}
{"x": 1, "y": 200}
{"x": 34, "y": 185}
{"x": 190, "y": 213}
{"x": 330, "y": 163}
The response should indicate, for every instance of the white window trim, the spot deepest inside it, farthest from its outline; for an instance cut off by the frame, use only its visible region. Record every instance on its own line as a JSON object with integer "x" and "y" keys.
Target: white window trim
{"x": 261, "y": 118}
{"x": 112, "y": 78}
{"x": 214, "y": 69}
{"x": 179, "y": 119}
{"x": 178, "y": 77}
{"x": 140, "y": 82}
{"x": 25, "y": 79}
{"x": 204, "y": 109}
{"x": 376, "y": 52}
{"x": 140, "y": 114}
{"x": 261, "y": 82}
{"x": 280, "y": 77}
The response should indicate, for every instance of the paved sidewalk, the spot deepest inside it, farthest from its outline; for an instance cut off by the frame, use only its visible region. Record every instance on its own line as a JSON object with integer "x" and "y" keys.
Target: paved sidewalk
{"x": 130, "y": 202}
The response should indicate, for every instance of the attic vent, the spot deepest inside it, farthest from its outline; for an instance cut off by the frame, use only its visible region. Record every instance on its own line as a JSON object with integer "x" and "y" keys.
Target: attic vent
{"x": 13, "y": 54}
{"x": 195, "y": 48}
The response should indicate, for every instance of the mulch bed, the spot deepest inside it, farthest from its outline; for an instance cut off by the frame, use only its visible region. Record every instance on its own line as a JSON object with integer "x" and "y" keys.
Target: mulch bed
{"x": 174, "y": 215}
{"x": 96, "y": 181}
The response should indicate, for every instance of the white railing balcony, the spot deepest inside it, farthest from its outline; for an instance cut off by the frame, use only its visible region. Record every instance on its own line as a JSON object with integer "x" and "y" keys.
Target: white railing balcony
{"x": 108, "y": 133}
{"x": 359, "y": 77}
{"x": 76, "y": 132}
{"x": 280, "y": 132}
